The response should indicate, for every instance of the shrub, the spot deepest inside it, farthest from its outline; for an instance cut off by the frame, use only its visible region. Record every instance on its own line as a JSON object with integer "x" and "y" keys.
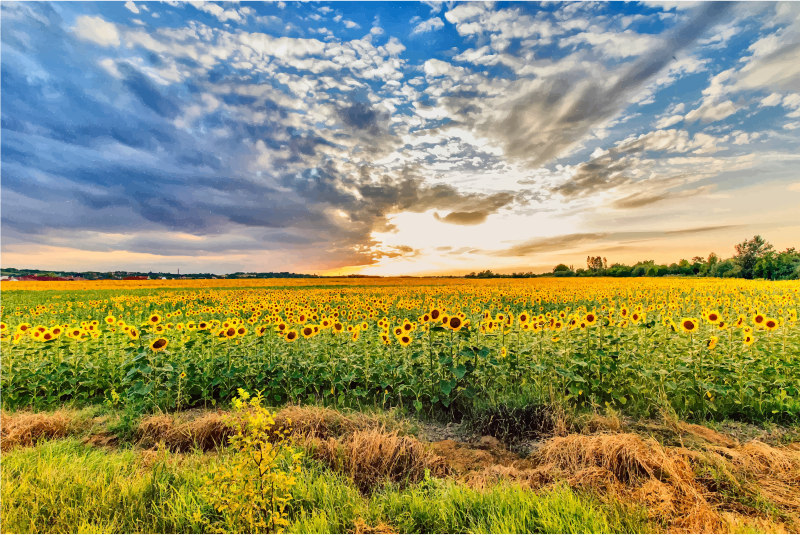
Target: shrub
{"x": 251, "y": 491}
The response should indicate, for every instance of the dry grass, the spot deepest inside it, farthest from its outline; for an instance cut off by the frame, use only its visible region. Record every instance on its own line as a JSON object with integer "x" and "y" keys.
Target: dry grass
{"x": 688, "y": 490}
{"x": 208, "y": 430}
{"x": 26, "y": 429}
{"x": 184, "y": 433}
{"x": 361, "y": 526}
{"x": 373, "y": 456}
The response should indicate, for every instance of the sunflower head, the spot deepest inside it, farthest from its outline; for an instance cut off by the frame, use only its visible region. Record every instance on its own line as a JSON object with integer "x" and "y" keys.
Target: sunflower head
{"x": 689, "y": 325}
{"x": 159, "y": 344}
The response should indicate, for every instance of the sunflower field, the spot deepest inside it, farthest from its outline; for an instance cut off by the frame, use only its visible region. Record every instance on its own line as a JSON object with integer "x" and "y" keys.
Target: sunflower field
{"x": 704, "y": 348}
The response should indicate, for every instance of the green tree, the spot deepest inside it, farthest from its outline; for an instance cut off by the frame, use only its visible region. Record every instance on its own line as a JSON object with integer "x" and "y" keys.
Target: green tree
{"x": 749, "y": 252}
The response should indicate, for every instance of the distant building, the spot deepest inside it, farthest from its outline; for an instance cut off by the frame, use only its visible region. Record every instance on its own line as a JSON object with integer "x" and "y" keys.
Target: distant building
{"x": 135, "y": 278}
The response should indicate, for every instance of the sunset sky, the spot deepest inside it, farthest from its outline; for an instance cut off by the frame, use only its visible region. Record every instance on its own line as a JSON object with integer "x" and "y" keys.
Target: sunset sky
{"x": 395, "y": 138}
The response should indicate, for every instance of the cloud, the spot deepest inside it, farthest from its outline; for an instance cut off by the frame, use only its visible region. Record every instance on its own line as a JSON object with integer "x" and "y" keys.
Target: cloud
{"x": 434, "y": 5}
{"x": 550, "y": 244}
{"x": 668, "y": 5}
{"x": 429, "y": 25}
{"x": 539, "y": 124}
{"x": 131, "y": 7}
{"x": 666, "y": 122}
{"x": 350, "y": 24}
{"x": 96, "y": 30}
{"x": 623, "y": 166}
{"x": 772, "y": 100}
{"x": 710, "y": 112}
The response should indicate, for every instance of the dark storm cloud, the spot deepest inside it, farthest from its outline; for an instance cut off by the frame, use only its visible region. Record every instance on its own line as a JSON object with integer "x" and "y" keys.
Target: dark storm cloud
{"x": 361, "y": 117}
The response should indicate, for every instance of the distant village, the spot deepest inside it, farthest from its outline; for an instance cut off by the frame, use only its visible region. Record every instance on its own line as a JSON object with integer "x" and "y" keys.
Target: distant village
{"x": 23, "y": 275}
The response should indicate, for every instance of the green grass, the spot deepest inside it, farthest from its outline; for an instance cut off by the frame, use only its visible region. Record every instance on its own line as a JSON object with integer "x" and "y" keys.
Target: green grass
{"x": 66, "y": 487}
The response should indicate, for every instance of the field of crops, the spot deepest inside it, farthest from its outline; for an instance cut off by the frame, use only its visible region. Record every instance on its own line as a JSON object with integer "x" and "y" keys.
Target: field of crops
{"x": 705, "y": 349}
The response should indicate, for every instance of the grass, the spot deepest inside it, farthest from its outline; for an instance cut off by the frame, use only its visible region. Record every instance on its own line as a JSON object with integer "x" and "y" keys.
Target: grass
{"x": 66, "y": 486}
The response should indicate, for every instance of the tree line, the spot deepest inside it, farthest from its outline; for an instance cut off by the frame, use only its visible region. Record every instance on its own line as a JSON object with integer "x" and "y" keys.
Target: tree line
{"x": 752, "y": 259}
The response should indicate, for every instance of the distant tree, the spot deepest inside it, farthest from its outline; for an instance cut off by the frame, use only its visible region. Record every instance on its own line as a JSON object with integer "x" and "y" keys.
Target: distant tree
{"x": 560, "y": 267}
{"x": 596, "y": 263}
{"x": 749, "y": 252}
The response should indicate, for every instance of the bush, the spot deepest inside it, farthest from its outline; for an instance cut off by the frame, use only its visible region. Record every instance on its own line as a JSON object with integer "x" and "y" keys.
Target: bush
{"x": 252, "y": 490}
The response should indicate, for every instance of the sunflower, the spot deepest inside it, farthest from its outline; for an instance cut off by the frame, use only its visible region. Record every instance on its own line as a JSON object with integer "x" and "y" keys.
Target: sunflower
{"x": 47, "y": 336}
{"x": 202, "y": 326}
{"x": 291, "y": 336}
{"x": 154, "y": 319}
{"x": 356, "y": 331}
{"x": 435, "y": 314}
{"x": 503, "y": 352}
{"x": 405, "y": 340}
{"x": 110, "y": 320}
{"x": 748, "y": 339}
{"x": 307, "y": 331}
{"x": 713, "y": 317}
{"x": 590, "y": 319}
{"x": 159, "y": 344}
{"x": 241, "y": 331}
{"x": 712, "y": 342}
{"x": 455, "y": 323}
{"x": 722, "y": 325}
{"x": 759, "y": 319}
{"x": 338, "y": 327}
{"x": 555, "y": 339}
{"x": 689, "y": 325}
{"x": 230, "y": 332}
{"x": 3, "y": 326}
{"x": 770, "y": 324}
{"x": 133, "y": 333}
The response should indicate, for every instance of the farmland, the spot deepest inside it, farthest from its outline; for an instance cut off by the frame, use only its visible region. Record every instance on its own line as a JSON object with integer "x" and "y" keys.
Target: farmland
{"x": 706, "y": 349}
{"x": 699, "y": 351}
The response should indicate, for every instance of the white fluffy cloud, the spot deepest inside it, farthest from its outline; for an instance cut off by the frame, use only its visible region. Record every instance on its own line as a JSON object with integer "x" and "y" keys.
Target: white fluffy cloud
{"x": 96, "y": 30}
{"x": 672, "y": 4}
{"x": 429, "y": 25}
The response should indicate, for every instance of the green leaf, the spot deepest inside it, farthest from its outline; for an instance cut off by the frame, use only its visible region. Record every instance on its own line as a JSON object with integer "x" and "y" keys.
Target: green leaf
{"x": 459, "y": 371}
{"x": 445, "y": 387}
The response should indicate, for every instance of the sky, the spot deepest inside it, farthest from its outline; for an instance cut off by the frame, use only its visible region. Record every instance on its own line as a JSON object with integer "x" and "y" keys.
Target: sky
{"x": 394, "y": 138}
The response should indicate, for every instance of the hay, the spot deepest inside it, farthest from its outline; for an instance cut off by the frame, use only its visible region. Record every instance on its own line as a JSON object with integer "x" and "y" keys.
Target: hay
{"x": 26, "y": 429}
{"x": 206, "y": 432}
{"x": 673, "y": 483}
{"x": 373, "y": 456}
